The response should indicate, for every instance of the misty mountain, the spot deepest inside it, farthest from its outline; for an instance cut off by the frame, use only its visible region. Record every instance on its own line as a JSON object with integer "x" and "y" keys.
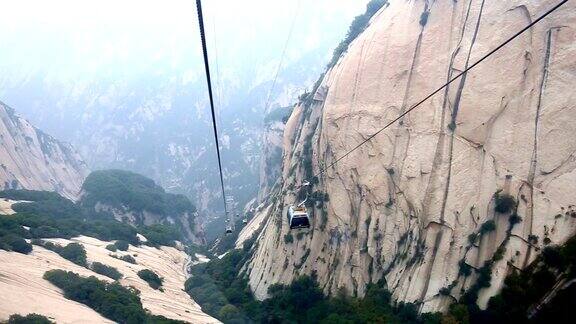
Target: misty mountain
{"x": 135, "y": 98}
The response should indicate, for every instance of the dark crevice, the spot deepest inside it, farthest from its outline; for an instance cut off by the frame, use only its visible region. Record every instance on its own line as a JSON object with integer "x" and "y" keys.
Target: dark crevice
{"x": 401, "y": 128}
{"x": 457, "y": 100}
{"x": 534, "y": 159}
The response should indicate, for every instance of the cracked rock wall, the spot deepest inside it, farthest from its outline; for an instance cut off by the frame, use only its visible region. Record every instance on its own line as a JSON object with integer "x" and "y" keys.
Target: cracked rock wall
{"x": 404, "y": 206}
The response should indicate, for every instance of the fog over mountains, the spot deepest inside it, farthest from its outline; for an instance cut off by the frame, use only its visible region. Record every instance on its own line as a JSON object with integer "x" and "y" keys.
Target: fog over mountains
{"x": 125, "y": 85}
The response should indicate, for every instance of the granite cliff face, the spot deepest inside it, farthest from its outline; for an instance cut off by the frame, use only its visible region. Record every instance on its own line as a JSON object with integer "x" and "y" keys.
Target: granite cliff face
{"x": 32, "y": 159}
{"x": 479, "y": 178}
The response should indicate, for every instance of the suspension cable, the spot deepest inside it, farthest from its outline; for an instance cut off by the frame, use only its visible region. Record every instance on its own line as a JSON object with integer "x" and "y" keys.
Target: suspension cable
{"x": 267, "y": 105}
{"x": 520, "y": 32}
{"x": 209, "y": 82}
{"x": 218, "y": 81}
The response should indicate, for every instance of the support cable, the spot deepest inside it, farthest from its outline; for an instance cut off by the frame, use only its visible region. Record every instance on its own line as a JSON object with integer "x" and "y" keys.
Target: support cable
{"x": 208, "y": 80}
{"x": 520, "y": 32}
{"x": 267, "y": 105}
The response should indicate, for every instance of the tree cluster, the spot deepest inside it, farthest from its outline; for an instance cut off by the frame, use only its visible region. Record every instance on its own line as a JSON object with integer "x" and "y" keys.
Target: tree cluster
{"x": 151, "y": 278}
{"x": 111, "y": 300}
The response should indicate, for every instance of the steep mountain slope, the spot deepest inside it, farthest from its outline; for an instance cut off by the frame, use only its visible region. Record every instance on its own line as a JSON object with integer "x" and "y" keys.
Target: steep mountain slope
{"x": 32, "y": 159}
{"x": 134, "y": 199}
{"x": 443, "y": 203}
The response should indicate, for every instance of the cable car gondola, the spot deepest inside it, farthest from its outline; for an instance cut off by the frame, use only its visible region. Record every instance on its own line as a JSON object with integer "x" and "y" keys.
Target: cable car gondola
{"x": 298, "y": 215}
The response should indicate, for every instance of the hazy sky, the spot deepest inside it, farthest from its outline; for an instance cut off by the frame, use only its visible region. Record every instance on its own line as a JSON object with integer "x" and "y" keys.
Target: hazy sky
{"x": 123, "y": 78}
{"x": 71, "y": 37}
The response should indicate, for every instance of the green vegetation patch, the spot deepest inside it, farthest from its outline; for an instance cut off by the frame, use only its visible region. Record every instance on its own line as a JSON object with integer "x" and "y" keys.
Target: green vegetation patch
{"x": 13, "y": 242}
{"x": 160, "y": 234}
{"x": 120, "y": 188}
{"x": 288, "y": 238}
{"x": 106, "y": 270}
{"x": 51, "y": 216}
{"x": 504, "y": 203}
{"x": 121, "y": 245}
{"x": 224, "y": 294}
{"x": 29, "y": 319}
{"x": 73, "y": 252}
{"x": 487, "y": 227}
{"x": 303, "y": 302}
{"x": 29, "y": 195}
{"x": 111, "y": 247}
{"x": 524, "y": 289}
{"x": 118, "y": 245}
{"x": 151, "y": 278}
{"x": 357, "y": 26}
{"x": 126, "y": 258}
{"x": 111, "y": 300}
{"x": 220, "y": 291}
{"x": 48, "y": 215}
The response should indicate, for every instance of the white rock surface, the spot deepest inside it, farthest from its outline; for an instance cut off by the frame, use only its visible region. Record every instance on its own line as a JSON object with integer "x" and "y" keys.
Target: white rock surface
{"x": 23, "y": 291}
{"x": 253, "y": 225}
{"x": 32, "y": 159}
{"x": 403, "y": 205}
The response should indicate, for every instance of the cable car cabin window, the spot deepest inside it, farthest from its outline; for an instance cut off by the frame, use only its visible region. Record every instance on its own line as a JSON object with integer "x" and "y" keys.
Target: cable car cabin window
{"x": 300, "y": 222}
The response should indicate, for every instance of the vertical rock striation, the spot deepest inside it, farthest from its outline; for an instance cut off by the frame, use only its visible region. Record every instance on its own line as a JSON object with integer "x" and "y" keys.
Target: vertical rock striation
{"x": 423, "y": 203}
